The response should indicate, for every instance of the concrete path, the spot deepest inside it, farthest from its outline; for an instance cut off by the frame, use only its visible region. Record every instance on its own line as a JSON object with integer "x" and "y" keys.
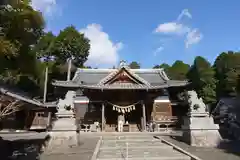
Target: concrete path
{"x": 135, "y": 148}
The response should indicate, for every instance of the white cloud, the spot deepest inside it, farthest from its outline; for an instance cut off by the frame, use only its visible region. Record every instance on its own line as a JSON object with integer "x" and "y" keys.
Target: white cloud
{"x": 47, "y": 7}
{"x": 184, "y": 13}
{"x": 172, "y": 28}
{"x": 158, "y": 50}
{"x": 103, "y": 52}
{"x": 193, "y": 37}
{"x": 177, "y": 27}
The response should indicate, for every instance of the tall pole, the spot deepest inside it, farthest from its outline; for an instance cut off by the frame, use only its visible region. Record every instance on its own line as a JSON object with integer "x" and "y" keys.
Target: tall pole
{"x": 69, "y": 69}
{"x": 45, "y": 85}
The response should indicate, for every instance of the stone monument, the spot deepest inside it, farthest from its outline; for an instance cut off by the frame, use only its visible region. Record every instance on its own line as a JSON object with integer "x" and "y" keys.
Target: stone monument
{"x": 63, "y": 133}
{"x": 199, "y": 128}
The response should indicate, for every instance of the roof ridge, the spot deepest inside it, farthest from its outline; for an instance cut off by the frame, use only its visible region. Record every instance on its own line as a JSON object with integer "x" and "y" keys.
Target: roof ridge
{"x": 115, "y": 72}
{"x": 111, "y": 69}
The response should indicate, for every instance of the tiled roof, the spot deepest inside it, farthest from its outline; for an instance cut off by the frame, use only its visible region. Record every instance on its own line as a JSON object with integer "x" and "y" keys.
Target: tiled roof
{"x": 166, "y": 84}
{"x": 123, "y": 86}
{"x": 94, "y": 76}
{"x": 97, "y": 79}
{"x": 65, "y": 84}
{"x": 25, "y": 99}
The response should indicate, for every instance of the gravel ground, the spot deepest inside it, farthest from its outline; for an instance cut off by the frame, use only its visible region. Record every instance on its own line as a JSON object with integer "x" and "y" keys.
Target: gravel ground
{"x": 229, "y": 151}
{"x": 82, "y": 152}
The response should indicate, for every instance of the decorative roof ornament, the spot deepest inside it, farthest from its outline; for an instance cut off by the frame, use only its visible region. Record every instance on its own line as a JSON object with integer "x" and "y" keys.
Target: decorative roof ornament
{"x": 122, "y": 64}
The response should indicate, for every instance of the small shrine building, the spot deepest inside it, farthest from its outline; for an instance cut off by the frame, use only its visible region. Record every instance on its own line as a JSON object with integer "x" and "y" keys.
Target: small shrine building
{"x": 142, "y": 95}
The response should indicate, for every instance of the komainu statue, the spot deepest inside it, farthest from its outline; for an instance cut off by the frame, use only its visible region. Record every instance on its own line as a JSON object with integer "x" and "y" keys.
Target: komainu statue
{"x": 199, "y": 128}
{"x": 67, "y": 103}
{"x": 196, "y": 105}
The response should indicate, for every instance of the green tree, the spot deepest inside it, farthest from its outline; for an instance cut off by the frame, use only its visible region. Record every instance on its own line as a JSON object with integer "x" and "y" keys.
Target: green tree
{"x": 71, "y": 44}
{"x": 238, "y": 85}
{"x": 164, "y": 66}
{"x": 44, "y": 47}
{"x": 201, "y": 75}
{"x": 20, "y": 29}
{"x": 156, "y": 66}
{"x": 134, "y": 65}
{"x": 227, "y": 67}
{"x": 178, "y": 71}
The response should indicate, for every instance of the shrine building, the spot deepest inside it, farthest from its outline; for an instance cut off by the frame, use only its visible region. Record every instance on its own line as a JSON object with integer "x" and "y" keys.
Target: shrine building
{"x": 142, "y": 95}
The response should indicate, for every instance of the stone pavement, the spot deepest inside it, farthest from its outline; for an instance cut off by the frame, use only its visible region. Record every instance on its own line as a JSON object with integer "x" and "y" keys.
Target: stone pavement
{"x": 135, "y": 148}
{"x": 82, "y": 152}
{"x": 209, "y": 153}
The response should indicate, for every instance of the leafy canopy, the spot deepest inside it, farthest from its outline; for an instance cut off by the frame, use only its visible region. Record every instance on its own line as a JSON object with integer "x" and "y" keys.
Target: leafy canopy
{"x": 71, "y": 44}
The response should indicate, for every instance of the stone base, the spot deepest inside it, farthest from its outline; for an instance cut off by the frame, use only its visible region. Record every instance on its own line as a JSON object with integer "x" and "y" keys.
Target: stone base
{"x": 64, "y": 124}
{"x": 199, "y": 123}
{"x": 196, "y": 114}
{"x": 60, "y": 141}
{"x": 204, "y": 138}
{"x": 63, "y": 135}
{"x": 201, "y": 131}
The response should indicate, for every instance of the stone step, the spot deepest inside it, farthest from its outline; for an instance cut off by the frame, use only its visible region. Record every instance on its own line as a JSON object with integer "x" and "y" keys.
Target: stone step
{"x": 138, "y": 141}
{"x": 143, "y": 154}
{"x": 148, "y": 158}
{"x": 129, "y": 137}
{"x": 135, "y": 147}
{"x": 148, "y": 144}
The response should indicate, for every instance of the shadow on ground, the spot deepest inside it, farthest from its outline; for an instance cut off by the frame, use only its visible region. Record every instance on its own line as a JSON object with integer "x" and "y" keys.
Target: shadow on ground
{"x": 21, "y": 149}
{"x": 230, "y": 146}
{"x": 227, "y": 149}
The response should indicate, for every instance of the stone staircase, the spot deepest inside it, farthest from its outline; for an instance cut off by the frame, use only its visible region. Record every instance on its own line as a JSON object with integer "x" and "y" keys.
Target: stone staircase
{"x": 111, "y": 128}
{"x": 137, "y": 148}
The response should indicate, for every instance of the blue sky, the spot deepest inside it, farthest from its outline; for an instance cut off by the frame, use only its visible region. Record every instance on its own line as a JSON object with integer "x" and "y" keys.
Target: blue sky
{"x": 150, "y": 32}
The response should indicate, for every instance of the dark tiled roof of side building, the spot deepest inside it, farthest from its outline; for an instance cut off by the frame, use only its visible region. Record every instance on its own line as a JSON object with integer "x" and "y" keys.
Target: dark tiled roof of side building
{"x": 23, "y": 97}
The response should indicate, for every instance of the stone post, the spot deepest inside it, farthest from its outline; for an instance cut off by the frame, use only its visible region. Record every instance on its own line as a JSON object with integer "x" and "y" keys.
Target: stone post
{"x": 103, "y": 117}
{"x": 144, "y": 116}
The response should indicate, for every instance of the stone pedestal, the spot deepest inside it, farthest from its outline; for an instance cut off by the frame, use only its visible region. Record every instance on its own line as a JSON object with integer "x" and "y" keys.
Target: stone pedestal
{"x": 63, "y": 134}
{"x": 200, "y": 130}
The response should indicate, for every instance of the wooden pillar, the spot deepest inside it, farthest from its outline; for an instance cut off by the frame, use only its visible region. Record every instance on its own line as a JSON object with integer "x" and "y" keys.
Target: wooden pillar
{"x": 103, "y": 116}
{"x": 144, "y": 116}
